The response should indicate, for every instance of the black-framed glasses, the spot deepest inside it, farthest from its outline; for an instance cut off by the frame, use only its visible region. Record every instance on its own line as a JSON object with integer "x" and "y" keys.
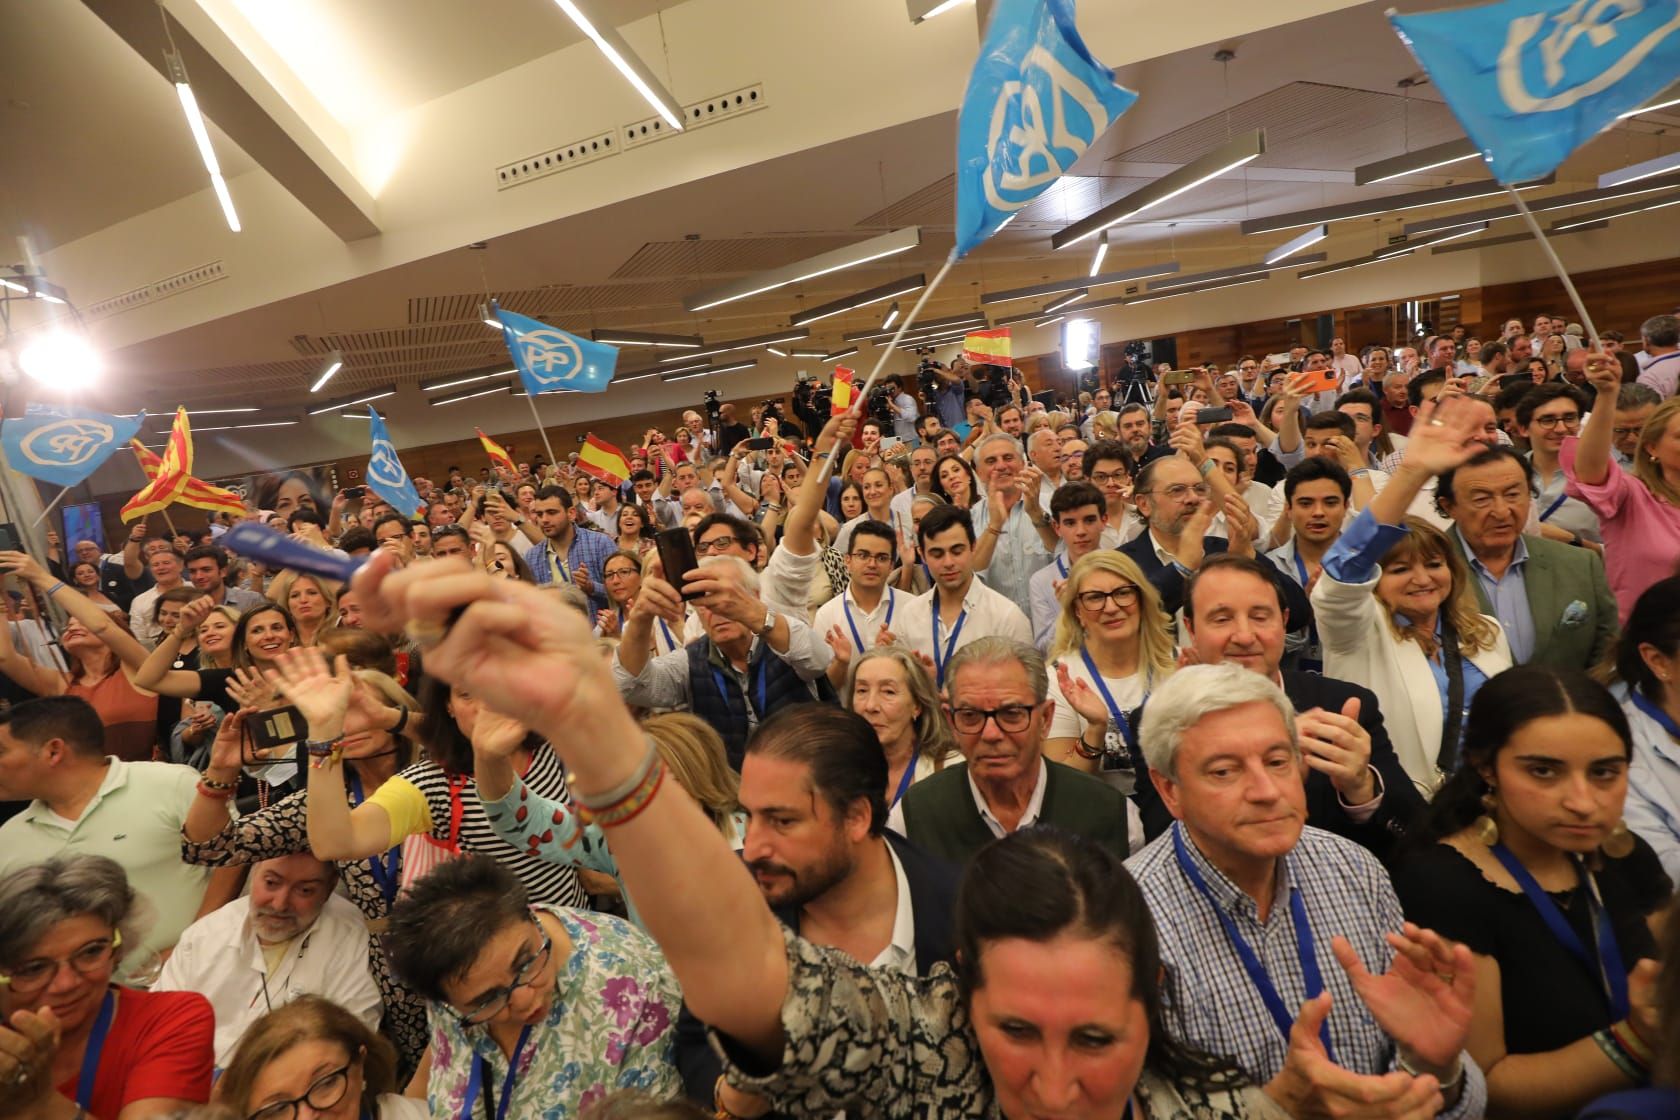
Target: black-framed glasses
{"x": 1626, "y": 433}
{"x": 1124, "y": 597}
{"x": 1103, "y": 478}
{"x": 621, "y": 573}
{"x": 1178, "y": 491}
{"x": 492, "y": 1002}
{"x": 325, "y": 1093}
{"x": 718, "y": 545}
{"x": 34, "y": 976}
{"x": 1010, "y": 717}
{"x": 863, "y": 557}
{"x": 1550, "y": 422}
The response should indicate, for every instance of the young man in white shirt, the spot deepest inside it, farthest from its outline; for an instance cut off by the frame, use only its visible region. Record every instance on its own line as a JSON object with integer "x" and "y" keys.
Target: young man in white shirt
{"x": 1079, "y": 513}
{"x": 960, "y": 609}
{"x": 861, "y": 617}
{"x": 922, "y": 460}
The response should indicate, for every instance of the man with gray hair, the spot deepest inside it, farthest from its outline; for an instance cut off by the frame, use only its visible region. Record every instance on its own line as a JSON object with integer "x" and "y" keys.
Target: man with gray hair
{"x": 1660, "y": 362}
{"x": 1634, "y": 405}
{"x": 1015, "y": 538}
{"x": 1275, "y": 923}
{"x": 999, "y": 706}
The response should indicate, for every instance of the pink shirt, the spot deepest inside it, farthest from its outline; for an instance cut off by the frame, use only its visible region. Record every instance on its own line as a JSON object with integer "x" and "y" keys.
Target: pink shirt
{"x": 1641, "y": 530}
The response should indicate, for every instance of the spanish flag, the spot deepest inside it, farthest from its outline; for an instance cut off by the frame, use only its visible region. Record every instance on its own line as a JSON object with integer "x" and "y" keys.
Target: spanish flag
{"x": 174, "y": 471}
{"x": 498, "y": 455}
{"x": 987, "y": 348}
{"x": 198, "y": 494}
{"x": 601, "y": 459}
{"x": 844, "y": 391}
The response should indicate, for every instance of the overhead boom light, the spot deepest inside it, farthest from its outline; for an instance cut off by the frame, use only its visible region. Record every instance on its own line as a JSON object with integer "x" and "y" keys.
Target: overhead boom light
{"x": 890, "y": 290}
{"x": 1667, "y": 99}
{"x": 1066, "y": 301}
{"x": 1234, "y": 271}
{"x": 201, "y": 136}
{"x": 1415, "y": 163}
{"x": 1152, "y": 295}
{"x": 460, "y": 379}
{"x": 333, "y": 362}
{"x": 1540, "y": 205}
{"x": 1099, "y": 255}
{"x": 711, "y": 370}
{"x": 1227, "y": 157}
{"x": 838, "y": 354}
{"x": 1057, "y": 287}
{"x": 616, "y": 337}
{"x": 1638, "y": 206}
{"x": 1662, "y": 165}
{"x": 849, "y": 256}
{"x": 891, "y": 316}
{"x": 754, "y": 342}
{"x": 1369, "y": 207}
{"x": 467, "y": 396}
{"x": 370, "y": 395}
{"x": 610, "y": 43}
{"x": 1306, "y": 240}
{"x": 1405, "y": 247}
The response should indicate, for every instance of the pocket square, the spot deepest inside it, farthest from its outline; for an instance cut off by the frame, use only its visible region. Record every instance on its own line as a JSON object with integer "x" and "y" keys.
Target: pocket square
{"x": 1574, "y": 614}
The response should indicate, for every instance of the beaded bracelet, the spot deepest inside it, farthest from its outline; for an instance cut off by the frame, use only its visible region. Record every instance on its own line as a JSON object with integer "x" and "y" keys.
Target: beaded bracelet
{"x": 218, "y": 792}
{"x": 206, "y": 780}
{"x": 630, "y": 807}
{"x": 321, "y": 752}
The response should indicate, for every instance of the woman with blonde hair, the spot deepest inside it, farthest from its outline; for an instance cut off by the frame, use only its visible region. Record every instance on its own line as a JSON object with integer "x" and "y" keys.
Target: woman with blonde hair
{"x": 1112, "y": 647}
{"x": 311, "y": 600}
{"x": 1105, "y": 425}
{"x": 559, "y": 833}
{"x": 1396, "y": 605}
{"x": 313, "y": 1052}
{"x": 891, "y": 689}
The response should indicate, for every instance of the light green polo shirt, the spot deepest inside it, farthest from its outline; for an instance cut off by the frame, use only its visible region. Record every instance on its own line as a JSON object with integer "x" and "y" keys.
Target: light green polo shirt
{"x": 135, "y": 819}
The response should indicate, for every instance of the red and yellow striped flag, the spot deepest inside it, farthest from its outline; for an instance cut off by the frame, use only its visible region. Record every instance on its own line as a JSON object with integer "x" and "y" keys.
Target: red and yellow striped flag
{"x": 844, "y": 391}
{"x": 174, "y": 471}
{"x": 601, "y": 459}
{"x": 198, "y": 494}
{"x": 498, "y": 455}
{"x": 987, "y": 348}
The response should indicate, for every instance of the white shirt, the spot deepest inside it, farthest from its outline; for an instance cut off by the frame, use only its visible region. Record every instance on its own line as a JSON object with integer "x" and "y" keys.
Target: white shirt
{"x": 900, "y": 953}
{"x": 868, "y": 623}
{"x": 1035, "y": 804}
{"x": 220, "y": 957}
{"x": 986, "y": 613}
{"x": 1066, "y": 723}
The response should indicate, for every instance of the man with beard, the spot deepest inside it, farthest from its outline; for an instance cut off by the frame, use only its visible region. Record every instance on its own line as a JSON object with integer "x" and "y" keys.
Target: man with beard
{"x": 291, "y": 936}
{"x": 813, "y": 785}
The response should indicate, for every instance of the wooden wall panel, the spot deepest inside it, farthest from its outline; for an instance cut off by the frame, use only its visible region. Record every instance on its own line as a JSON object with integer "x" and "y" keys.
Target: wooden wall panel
{"x": 1617, "y": 298}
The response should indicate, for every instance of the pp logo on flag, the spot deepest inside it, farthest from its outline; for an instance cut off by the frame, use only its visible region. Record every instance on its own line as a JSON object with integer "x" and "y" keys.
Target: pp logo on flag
{"x": 552, "y": 357}
{"x": 384, "y": 467}
{"x": 1040, "y": 126}
{"x": 1592, "y": 45}
{"x": 67, "y": 443}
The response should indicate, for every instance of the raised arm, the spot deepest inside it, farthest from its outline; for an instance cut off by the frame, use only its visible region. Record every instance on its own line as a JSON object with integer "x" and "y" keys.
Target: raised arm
{"x": 1592, "y": 455}
{"x": 156, "y": 672}
{"x": 79, "y": 607}
{"x": 17, "y": 665}
{"x": 798, "y": 535}
{"x": 1442, "y": 438}
{"x": 208, "y": 815}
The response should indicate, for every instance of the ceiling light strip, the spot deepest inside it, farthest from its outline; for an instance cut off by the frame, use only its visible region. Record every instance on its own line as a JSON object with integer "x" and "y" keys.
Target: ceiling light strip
{"x": 1541, "y": 205}
{"x": 1227, "y": 157}
{"x": 1415, "y": 163}
{"x": 607, "y": 39}
{"x": 792, "y": 335}
{"x": 333, "y": 362}
{"x": 850, "y": 256}
{"x": 201, "y": 136}
{"x": 1366, "y": 208}
{"x": 456, "y": 380}
{"x": 711, "y": 370}
{"x": 890, "y": 290}
{"x": 1305, "y": 241}
{"x": 363, "y": 398}
{"x": 1152, "y": 295}
{"x": 1662, "y": 165}
{"x": 1622, "y": 211}
{"x": 615, "y": 337}
{"x": 1056, "y": 287}
{"x": 1667, "y": 99}
{"x": 1238, "y": 270}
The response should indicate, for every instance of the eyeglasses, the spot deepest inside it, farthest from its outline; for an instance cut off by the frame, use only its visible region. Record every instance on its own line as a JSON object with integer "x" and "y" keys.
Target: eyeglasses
{"x": 1103, "y": 478}
{"x": 1010, "y": 717}
{"x": 717, "y": 545}
{"x": 1177, "y": 492}
{"x": 621, "y": 573}
{"x": 33, "y": 976}
{"x": 1124, "y": 596}
{"x": 321, "y": 1096}
{"x": 1626, "y": 433}
{"x": 492, "y": 1002}
{"x": 872, "y": 557}
{"x": 1550, "y": 422}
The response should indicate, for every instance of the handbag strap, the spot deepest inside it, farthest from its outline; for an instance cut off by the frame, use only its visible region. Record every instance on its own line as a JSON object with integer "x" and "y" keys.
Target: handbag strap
{"x": 1452, "y": 660}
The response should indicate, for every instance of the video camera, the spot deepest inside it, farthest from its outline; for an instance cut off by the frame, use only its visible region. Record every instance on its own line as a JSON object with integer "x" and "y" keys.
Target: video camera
{"x": 713, "y": 404}
{"x": 992, "y": 385}
{"x": 812, "y": 403}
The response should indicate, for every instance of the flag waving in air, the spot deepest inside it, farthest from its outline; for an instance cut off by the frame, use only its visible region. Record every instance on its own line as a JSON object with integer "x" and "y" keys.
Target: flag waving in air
{"x": 987, "y": 348}
{"x": 840, "y": 397}
{"x": 1036, "y": 102}
{"x": 550, "y": 359}
{"x": 61, "y": 445}
{"x": 386, "y": 476}
{"x": 601, "y": 459}
{"x": 499, "y": 458}
{"x": 1533, "y": 80}
{"x": 174, "y": 471}
{"x": 198, "y": 493}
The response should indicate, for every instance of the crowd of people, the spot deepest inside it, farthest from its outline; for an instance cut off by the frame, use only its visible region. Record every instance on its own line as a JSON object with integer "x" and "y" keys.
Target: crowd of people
{"x": 1213, "y": 743}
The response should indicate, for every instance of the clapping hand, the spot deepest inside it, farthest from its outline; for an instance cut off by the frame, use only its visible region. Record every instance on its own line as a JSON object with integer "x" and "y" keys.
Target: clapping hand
{"x": 1443, "y": 437}
{"x": 1081, "y": 697}
{"x": 1425, "y": 999}
{"x": 1334, "y": 744}
{"x": 323, "y": 695}
{"x": 248, "y": 687}
{"x": 1311, "y": 1085}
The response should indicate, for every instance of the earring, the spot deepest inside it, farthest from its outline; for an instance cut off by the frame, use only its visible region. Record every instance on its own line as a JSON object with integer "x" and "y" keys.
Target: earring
{"x": 1487, "y": 829}
{"x": 1619, "y": 844}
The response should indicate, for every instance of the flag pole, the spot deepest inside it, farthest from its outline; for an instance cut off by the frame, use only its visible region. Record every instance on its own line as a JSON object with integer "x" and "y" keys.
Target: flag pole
{"x": 542, "y": 431}
{"x": 1557, "y": 266}
{"x": 886, "y": 351}
{"x": 59, "y": 497}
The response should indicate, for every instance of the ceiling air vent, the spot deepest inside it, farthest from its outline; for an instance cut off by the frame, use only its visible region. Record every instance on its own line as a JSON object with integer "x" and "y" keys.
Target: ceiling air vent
{"x": 158, "y": 289}
{"x": 561, "y": 158}
{"x": 696, "y": 115}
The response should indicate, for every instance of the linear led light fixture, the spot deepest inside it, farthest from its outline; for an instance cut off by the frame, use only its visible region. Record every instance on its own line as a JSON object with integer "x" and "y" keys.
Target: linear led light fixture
{"x": 1639, "y": 206}
{"x": 921, "y": 10}
{"x": 14, "y": 286}
{"x": 1540, "y": 205}
{"x": 455, "y": 381}
{"x": 1369, "y": 207}
{"x": 1414, "y": 163}
{"x": 1170, "y": 293}
{"x": 971, "y": 319}
{"x": 196, "y": 412}
{"x": 1051, "y": 319}
{"x": 849, "y": 256}
{"x": 1236, "y": 270}
{"x": 1057, "y": 287}
{"x": 1512, "y": 238}
{"x": 806, "y": 353}
{"x": 43, "y": 289}
{"x": 456, "y": 398}
{"x": 943, "y": 332}
{"x": 618, "y": 52}
{"x": 1662, "y": 165}
{"x": 371, "y": 395}
{"x": 1033, "y": 316}
{"x": 748, "y": 364}
{"x": 890, "y": 290}
{"x": 741, "y": 344}
{"x": 1210, "y": 165}
{"x": 615, "y": 337}
{"x": 331, "y": 364}
{"x": 1068, "y": 300}
{"x": 1667, "y": 99}
{"x": 1404, "y": 247}
{"x": 1305, "y": 241}
{"x": 890, "y": 317}
{"x": 1098, "y": 257}
{"x": 1343, "y": 266}
{"x": 490, "y": 320}
{"x": 201, "y": 136}
{"x": 838, "y": 354}
{"x": 243, "y": 427}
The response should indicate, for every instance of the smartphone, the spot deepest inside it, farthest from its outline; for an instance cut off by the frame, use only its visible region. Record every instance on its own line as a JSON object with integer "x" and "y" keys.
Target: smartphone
{"x": 1477, "y": 385}
{"x": 1324, "y": 381}
{"x": 354, "y": 492}
{"x": 762, "y": 443}
{"x": 1178, "y": 377}
{"x": 9, "y": 539}
{"x": 676, "y": 556}
{"x": 277, "y": 727}
{"x": 1220, "y": 415}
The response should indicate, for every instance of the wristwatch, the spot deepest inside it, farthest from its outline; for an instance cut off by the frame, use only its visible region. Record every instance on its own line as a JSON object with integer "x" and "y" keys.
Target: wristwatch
{"x": 769, "y": 623}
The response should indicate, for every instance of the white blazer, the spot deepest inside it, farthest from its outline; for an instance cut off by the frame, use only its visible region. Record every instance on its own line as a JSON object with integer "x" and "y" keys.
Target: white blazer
{"x": 1360, "y": 646}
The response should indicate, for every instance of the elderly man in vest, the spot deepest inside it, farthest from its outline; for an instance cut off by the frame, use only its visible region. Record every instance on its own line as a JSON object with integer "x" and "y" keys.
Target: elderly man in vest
{"x": 751, "y": 661}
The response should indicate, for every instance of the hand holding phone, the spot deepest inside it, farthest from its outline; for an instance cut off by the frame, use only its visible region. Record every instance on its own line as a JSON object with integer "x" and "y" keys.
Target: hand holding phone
{"x": 677, "y": 558}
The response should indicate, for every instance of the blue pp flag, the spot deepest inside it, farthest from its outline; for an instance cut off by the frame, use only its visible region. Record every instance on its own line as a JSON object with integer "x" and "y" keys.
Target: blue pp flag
{"x": 1036, "y": 102}
{"x": 63, "y": 445}
{"x": 1532, "y": 80}
{"x": 386, "y": 476}
{"x": 550, "y": 359}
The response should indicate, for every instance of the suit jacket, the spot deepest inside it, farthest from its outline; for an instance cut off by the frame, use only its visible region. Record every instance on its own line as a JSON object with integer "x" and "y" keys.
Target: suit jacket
{"x": 933, "y": 899}
{"x": 1556, "y": 578}
{"x": 1169, "y": 581}
{"x": 1401, "y": 801}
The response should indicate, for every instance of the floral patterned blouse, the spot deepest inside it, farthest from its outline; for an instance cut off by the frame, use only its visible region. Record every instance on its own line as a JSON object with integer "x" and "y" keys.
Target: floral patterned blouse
{"x": 879, "y": 1043}
{"x": 612, "y": 1027}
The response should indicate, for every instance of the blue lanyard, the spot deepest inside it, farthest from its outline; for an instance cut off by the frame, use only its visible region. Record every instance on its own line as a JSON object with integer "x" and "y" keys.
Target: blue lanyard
{"x": 1605, "y": 962}
{"x": 1257, "y": 973}
{"x": 1061, "y": 566}
{"x": 846, "y": 606}
{"x": 761, "y": 674}
{"x": 941, "y": 660}
{"x": 95, "y": 1045}
{"x": 904, "y": 781}
{"x": 387, "y": 869}
{"x": 1553, "y": 508}
{"x": 1661, "y": 718}
{"x": 1301, "y": 568}
{"x": 1114, "y": 712}
{"x": 475, "y": 1081}
{"x": 670, "y": 638}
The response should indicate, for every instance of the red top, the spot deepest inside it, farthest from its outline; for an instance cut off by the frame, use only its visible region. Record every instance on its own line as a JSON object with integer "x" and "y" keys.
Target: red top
{"x": 161, "y": 1044}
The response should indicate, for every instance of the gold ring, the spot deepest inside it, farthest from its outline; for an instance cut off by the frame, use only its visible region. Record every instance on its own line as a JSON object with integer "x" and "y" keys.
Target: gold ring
{"x": 425, "y": 634}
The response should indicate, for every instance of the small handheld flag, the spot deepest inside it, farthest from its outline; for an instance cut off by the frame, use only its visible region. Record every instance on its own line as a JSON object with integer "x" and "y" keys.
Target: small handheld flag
{"x": 550, "y": 359}
{"x": 498, "y": 456}
{"x": 1036, "y": 102}
{"x": 841, "y": 396}
{"x": 1533, "y": 80}
{"x": 386, "y": 476}
{"x": 987, "y": 348}
{"x": 64, "y": 446}
{"x": 601, "y": 459}
{"x": 173, "y": 473}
